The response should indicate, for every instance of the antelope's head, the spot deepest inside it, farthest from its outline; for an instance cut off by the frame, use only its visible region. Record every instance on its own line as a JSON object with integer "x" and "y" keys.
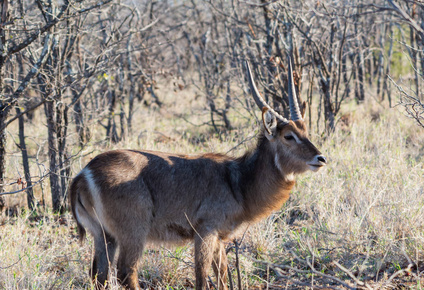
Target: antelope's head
{"x": 293, "y": 152}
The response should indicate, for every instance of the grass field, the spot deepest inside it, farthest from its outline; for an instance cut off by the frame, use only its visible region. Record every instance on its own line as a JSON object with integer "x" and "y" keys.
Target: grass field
{"x": 357, "y": 223}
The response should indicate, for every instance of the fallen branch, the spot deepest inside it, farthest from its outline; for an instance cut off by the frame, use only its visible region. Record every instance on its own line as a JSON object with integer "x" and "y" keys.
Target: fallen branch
{"x": 351, "y": 275}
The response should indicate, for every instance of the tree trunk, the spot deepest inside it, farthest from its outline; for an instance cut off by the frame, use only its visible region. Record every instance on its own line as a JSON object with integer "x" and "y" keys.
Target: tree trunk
{"x": 49, "y": 109}
{"x": 4, "y": 110}
{"x": 131, "y": 93}
{"x": 270, "y": 70}
{"x": 2, "y": 155}
{"x": 361, "y": 83}
{"x": 61, "y": 131}
{"x": 25, "y": 163}
{"x": 380, "y": 64}
{"x": 111, "y": 133}
{"x": 82, "y": 131}
{"x": 386, "y": 83}
{"x": 122, "y": 121}
{"x": 346, "y": 80}
{"x": 52, "y": 142}
{"x": 328, "y": 107}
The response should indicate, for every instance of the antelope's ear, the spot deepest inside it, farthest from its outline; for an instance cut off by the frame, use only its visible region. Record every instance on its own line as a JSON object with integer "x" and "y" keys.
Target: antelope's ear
{"x": 303, "y": 109}
{"x": 270, "y": 123}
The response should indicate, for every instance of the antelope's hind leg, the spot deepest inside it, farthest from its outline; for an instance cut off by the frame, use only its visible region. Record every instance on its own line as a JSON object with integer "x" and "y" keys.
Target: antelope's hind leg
{"x": 105, "y": 248}
{"x": 204, "y": 245}
{"x": 129, "y": 253}
{"x": 219, "y": 265}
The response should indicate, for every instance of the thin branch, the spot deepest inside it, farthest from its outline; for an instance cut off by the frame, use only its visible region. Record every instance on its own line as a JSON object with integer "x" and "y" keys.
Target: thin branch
{"x": 11, "y": 265}
{"x": 56, "y": 19}
{"x": 318, "y": 50}
{"x": 408, "y": 18}
{"x": 414, "y": 107}
{"x": 44, "y": 176}
{"x": 35, "y": 35}
{"x": 22, "y": 114}
{"x": 31, "y": 74}
{"x": 350, "y": 274}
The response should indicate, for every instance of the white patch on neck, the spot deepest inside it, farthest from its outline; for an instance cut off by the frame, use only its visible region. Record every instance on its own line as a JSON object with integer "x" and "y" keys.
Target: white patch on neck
{"x": 289, "y": 177}
{"x": 277, "y": 162}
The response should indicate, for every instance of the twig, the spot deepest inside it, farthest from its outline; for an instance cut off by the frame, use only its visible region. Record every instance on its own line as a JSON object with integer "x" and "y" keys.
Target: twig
{"x": 171, "y": 255}
{"x": 327, "y": 276}
{"x": 42, "y": 177}
{"x": 408, "y": 18}
{"x": 22, "y": 113}
{"x": 317, "y": 47}
{"x": 236, "y": 244}
{"x": 25, "y": 188}
{"x": 397, "y": 273}
{"x": 350, "y": 274}
{"x": 278, "y": 270}
{"x": 259, "y": 5}
{"x": 242, "y": 142}
{"x": 230, "y": 278}
{"x": 319, "y": 273}
{"x": 413, "y": 106}
{"x": 11, "y": 265}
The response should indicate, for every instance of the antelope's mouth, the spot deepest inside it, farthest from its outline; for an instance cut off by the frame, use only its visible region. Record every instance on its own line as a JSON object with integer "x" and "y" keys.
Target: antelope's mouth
{"x": 318, "y": 162}
{"x": 315, "y": 167}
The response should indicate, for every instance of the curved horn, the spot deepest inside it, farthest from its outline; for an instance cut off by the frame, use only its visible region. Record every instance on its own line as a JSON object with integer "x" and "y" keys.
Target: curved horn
{"x": 257, "y": 96}
{"x": 294, "y": 106}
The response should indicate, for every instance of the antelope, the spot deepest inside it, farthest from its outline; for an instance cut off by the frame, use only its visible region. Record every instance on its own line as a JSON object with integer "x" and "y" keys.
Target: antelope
{"x": 128, "y": 198}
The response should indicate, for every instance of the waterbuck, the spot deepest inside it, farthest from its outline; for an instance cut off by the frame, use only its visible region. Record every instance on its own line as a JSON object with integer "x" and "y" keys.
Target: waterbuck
{"x": 127, "y": 198}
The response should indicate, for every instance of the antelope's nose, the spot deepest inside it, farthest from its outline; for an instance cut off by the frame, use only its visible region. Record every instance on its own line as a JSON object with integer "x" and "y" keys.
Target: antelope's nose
{"x": 322, "y": 159}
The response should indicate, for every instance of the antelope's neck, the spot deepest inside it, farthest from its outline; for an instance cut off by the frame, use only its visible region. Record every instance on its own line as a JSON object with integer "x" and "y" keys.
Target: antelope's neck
{"x": 265, "y": 187}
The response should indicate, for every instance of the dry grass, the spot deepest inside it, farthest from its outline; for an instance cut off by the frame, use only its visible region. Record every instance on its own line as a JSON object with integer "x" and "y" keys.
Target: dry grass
{"x": 357, "y": 223}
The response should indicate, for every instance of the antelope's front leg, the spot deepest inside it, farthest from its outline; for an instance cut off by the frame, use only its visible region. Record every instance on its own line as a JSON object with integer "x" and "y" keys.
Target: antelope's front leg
{"x": 219, "y": 265}
{"x": 204, "y": 245}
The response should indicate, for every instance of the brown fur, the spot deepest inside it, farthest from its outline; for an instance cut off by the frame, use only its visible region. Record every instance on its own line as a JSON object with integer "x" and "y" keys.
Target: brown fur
{"x": 127, "y": 198}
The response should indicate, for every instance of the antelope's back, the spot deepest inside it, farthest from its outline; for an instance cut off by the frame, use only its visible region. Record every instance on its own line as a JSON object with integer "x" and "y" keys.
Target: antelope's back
{"x": 167, "y": 195}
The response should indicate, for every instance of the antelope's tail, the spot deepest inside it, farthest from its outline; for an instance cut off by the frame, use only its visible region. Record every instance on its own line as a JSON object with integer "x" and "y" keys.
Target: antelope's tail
{"x": 74, "y": 196}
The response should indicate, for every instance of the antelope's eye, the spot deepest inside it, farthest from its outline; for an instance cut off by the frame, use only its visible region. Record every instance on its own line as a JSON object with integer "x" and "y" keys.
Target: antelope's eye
{"x": 289, "y": 137}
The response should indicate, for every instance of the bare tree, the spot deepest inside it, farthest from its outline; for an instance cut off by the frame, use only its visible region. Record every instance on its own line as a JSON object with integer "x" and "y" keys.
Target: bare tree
{"x": 90, "y": 64}
{"x": 412, "y": 12}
